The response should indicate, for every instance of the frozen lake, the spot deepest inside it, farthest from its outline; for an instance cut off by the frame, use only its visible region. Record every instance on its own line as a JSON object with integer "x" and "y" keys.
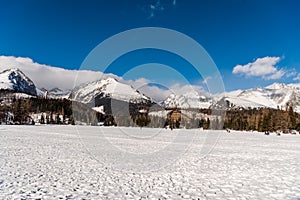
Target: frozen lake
{"x": 68, "y": 162}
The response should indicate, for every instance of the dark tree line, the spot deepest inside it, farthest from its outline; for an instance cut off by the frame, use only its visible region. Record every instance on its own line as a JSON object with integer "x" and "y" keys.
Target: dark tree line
{"x": 262, "y": 119}
{"x": 20, "y": 110}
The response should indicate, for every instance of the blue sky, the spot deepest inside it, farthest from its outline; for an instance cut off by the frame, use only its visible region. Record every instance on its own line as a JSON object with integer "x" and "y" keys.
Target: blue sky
{"x": 263, "y": 34}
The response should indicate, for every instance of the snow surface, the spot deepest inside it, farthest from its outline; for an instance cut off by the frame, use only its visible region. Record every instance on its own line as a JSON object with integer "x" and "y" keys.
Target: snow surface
{"x": 160, "y": 113}
{"x": 65, "y": 162}
{"x": 99, "y": 109}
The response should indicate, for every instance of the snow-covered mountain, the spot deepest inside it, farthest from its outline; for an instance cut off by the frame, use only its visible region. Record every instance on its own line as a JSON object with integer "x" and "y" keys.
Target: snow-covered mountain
{"x": 16, "y": 80}
{"x": 107, "y": 88}
{"x": 277, "y": 95}
{"x": 188, "y": 100}
{"x": 59, "y": 93}
{"x": 55, "y": 93}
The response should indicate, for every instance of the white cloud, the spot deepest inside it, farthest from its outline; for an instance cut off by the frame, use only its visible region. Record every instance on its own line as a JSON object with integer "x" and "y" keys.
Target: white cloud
{"x": 297, "y": 78}
{"x": 156, "y": 93}
{"x": 161, "y": 93}
{"x": 261, "y": 67}
{"x": 183, "y": 89}
{"x": 206, "y": 80}
{"x": 46, "y": 76}
{"x": 138, "y": 83}
{"x": 291, "y": 73}
{"x": 277, "y": 75}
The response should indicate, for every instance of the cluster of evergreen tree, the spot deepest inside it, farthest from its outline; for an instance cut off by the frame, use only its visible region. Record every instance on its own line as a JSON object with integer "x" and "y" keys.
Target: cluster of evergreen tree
{"x": 139, "y": 112}
{"x": 19, "y": 111}
{"x": 262, "y": 119}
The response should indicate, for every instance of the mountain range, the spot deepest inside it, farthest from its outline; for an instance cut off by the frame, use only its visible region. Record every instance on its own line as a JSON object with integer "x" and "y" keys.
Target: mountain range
{"x": 275, "y": 96}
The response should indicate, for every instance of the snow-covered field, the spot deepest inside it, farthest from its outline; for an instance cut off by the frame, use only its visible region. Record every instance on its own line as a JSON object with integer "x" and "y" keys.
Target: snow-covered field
{"x": 68, "y": 162}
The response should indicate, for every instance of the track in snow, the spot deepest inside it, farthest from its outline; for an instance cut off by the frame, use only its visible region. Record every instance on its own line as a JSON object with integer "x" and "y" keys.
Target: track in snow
{"x": 111, "y": 163}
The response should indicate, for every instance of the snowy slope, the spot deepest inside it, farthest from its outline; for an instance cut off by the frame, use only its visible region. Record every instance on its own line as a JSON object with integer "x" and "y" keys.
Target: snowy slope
{"x": 55, "y": 93}
{"x": 16, "y": 80}
{"x": 187, "y": 100}
{"x": 109, "y": 88}
{"x": 277, "y": 95}
{"x": 253, "y": 98}
{"x": 59, "y": 93}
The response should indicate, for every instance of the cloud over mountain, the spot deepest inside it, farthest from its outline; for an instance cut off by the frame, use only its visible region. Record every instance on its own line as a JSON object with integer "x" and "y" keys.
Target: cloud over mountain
{"x": 262, "y": 67}
{"x": 48, "y": 77}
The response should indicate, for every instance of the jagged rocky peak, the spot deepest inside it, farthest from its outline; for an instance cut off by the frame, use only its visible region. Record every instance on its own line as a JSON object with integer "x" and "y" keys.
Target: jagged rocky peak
{"x": 107, "y": 88}
{"x": 191, "y": 99}
{"x": 276, "y": 86}
{"x": 56, "y": 90}
{"x": 15, "y": 80}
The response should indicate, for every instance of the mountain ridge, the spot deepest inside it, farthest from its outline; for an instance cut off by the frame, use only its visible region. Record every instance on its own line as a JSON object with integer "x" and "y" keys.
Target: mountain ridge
{"x": 107, "y": 88}
{"x": 274, "y": 96}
